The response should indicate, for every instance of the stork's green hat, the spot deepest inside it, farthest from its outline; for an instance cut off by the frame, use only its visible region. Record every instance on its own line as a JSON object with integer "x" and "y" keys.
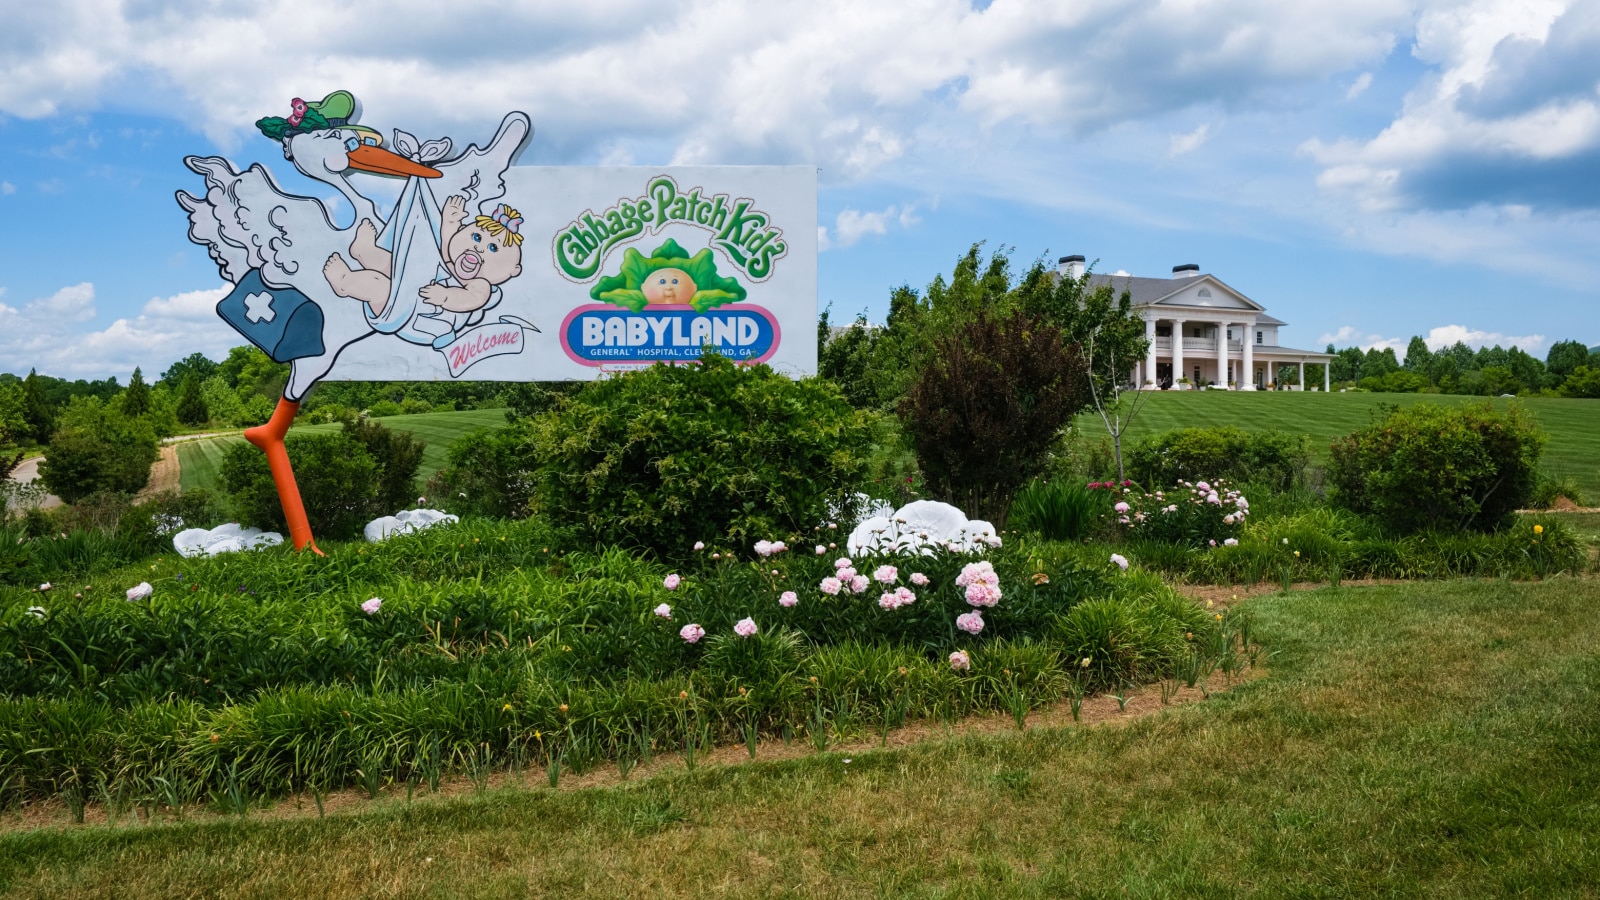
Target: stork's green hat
{"x": 333, "y": 111}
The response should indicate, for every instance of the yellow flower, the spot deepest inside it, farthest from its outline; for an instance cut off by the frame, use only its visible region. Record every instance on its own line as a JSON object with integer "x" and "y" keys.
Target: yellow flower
{"x": 1219, "y": 617}
{"x": 1297, "y": 554}
{"x": 1210, "y": 603}
{"x": 563, "y": 707}
{"x": 506, "y": 708}
{"x": 1538, "y": 529}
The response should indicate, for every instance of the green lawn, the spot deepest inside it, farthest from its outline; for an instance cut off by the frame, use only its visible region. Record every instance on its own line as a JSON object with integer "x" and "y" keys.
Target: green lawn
{"x": 1573, "y": 425}
{"x": 1434, "y": 739}
{"x": 198, "y": 461}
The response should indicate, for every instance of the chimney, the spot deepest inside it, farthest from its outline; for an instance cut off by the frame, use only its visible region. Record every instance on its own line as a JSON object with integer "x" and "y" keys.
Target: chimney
{"x": 1187, "y": 270}
{"x": 1070, "y": 266}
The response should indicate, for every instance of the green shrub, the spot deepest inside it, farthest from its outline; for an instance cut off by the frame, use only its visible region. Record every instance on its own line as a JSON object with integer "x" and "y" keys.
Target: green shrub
{"x": 1551, "y": 488}
{"x": 1061, "y": 510}
{"x": 337, "y": 478}
{"x": 97, "y": 448}
{"x": 988, "y": 405}
{"x": 669, "y": 455}
{"x": 1275, "y": 458}
{"x": 488, "y": 472}
{"x": 383, "y": 409}
{"x": 397, "y": 454}
{"x": 1190, "y": 514}
{"x": 1434, "y": 467}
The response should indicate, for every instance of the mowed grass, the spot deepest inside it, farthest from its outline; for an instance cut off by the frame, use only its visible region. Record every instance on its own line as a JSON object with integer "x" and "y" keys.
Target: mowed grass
{"x": 199, "y": 461}
{"x": 1573, "y": 425}
{"x": 1434, "y": 739}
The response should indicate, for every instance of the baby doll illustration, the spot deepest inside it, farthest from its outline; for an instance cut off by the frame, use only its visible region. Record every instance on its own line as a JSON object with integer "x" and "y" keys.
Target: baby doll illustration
{"x": 476, "y": 254}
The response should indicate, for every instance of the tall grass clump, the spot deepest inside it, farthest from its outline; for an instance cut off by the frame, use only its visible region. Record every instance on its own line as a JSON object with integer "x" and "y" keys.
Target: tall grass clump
{"x": 1059, "y": 510}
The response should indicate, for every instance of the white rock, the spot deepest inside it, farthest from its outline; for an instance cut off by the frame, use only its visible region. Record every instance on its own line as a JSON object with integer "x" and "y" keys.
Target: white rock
{"x": 227, "y": 538}
{"x": 405, "y": 522}
{"x": 922, "y": 528}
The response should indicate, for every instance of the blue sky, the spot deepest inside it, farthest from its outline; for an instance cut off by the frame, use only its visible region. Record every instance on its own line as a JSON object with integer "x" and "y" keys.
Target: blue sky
{"x": 1367, "y": 169}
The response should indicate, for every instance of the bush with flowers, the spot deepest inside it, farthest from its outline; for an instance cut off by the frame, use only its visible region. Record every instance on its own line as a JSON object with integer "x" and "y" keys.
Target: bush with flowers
{"x": 1192, "y": 514}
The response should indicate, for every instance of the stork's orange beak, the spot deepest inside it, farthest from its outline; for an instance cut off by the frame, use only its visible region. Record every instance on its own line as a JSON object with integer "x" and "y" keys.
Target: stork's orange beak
{"x": 368, "y": 158}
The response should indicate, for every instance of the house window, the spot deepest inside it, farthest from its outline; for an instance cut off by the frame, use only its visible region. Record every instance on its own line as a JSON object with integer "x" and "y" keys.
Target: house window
{"x": 1204, "y": 292}
{"x": 1258, "y": 337}
{"x": 1230, "y": 334}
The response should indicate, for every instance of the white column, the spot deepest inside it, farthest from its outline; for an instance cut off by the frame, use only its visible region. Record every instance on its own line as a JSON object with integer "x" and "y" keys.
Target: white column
{"x": 1150, "y": 355}
{"x": 1248, "y": 382}
{"x": 1326, "y": 369}
{"x": 1177, "y": 352}
{"x": 1222, "y": 354}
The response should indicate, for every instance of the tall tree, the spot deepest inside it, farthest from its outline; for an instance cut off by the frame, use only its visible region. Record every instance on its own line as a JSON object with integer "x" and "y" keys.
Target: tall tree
{"x": 136, "y": 398}
{"x": 1564, "y": 356}
{"x": 192, "y": 402}
{"x": 37, "y": 411}
{"x": 1418, "y": 357}
{"x": 197, "y": 364}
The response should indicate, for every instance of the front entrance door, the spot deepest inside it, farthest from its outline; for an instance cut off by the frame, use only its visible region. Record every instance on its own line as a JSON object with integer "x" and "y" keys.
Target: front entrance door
{"x": 1163, "y": 375}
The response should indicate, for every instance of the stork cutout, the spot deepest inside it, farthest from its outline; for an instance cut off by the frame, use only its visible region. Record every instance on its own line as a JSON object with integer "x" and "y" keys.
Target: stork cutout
{"x": 312, "y": 278}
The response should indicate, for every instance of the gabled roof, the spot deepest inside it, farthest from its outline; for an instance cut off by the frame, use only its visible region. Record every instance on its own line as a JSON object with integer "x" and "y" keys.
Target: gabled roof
{"x": 1154, "y": 291}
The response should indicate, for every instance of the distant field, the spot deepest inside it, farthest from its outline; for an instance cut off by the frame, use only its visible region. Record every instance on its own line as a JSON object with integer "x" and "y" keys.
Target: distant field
{"x": 1573, "y": 425}
{"x": 199, "y": 461}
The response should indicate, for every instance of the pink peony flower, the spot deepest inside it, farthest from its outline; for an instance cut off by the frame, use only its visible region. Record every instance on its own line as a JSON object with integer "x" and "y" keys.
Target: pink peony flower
{"x": 830, "y": 586}
{"x": 1120, "y": 560}
{"x": 858, "y": 584}
{"x": 664, "y": 611}
{"x": 1202, "y": 487}
{"x": 904, "y": 595}
{"x": 788, "y": 599}
{"x": 370, "y": 606}
{"x": 887, "y": 600}
{"x": 1121, "y": 506}
{"x": 821, "y": 550}
{"x": 981, "y": 594}
{"x": 971, "y": 622}
{"x": 745, "y": 628}
{"x": 1213, "y": 499}
{"x": 764, "y": 548}
{"x": 842, "y": 562}
{"x": 699, "y": 545}
{"x": 671, "y": 582}
{"x": 919, "y": 579}
{"x": 846, "y": 574}
{"x": 885, "y": 574}
{"x": 1231, "y": 542}
{"x": 140, "y": 591}
{"x": 1227, "y": 519}
{"x": 692, "y": 633}
{"x": 960, "y": 661}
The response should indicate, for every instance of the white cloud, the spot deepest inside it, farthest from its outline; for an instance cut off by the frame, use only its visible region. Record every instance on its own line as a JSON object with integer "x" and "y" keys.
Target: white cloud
{"x": 1188, "y": 143}
{"x": 847, "y": 85}
{"x": 1349, "y": 335}
{"x": 45, "y": 334}
{"x": 1436, "y": 338}
{"x": 1441, "y": 122}
{"x": 1359, "y": 86}
{"x": 1448, "y": 335}
{"x": 852, "y": 225}
{"x": 7, "y": 188}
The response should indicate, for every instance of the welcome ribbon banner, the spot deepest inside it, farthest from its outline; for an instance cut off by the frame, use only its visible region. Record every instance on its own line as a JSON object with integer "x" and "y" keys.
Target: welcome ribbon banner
{"x": 485, "y": 342}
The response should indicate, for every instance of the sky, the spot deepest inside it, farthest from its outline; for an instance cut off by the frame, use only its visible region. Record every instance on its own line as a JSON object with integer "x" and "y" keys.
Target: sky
{"x": 1368, "y": 170}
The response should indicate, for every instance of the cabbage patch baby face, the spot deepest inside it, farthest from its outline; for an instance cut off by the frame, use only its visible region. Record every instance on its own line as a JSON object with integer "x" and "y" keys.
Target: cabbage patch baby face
{"x": 668, "y": 286}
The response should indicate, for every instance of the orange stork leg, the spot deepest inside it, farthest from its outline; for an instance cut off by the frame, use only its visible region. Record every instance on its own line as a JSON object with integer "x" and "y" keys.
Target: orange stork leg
{"x": 269, "y": 437}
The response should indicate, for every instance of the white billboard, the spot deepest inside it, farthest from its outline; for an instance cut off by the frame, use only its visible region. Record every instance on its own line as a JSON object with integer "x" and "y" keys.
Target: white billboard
{"x": 489, "y": 271}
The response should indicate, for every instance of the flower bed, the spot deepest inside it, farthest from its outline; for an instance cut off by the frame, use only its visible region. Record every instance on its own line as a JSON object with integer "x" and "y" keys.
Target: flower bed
{"x": 483, "y": 645}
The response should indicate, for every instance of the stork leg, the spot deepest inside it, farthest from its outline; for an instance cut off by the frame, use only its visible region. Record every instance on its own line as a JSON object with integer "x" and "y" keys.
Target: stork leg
{"x": 269, "y": 438}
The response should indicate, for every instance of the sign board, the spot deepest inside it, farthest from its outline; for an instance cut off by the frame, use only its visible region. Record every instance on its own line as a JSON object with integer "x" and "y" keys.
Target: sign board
{"x": 489, "y": 271}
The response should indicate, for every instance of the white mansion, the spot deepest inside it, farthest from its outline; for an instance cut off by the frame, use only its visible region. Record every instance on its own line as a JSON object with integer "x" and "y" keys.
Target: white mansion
{"x": 1203, "y": 331}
